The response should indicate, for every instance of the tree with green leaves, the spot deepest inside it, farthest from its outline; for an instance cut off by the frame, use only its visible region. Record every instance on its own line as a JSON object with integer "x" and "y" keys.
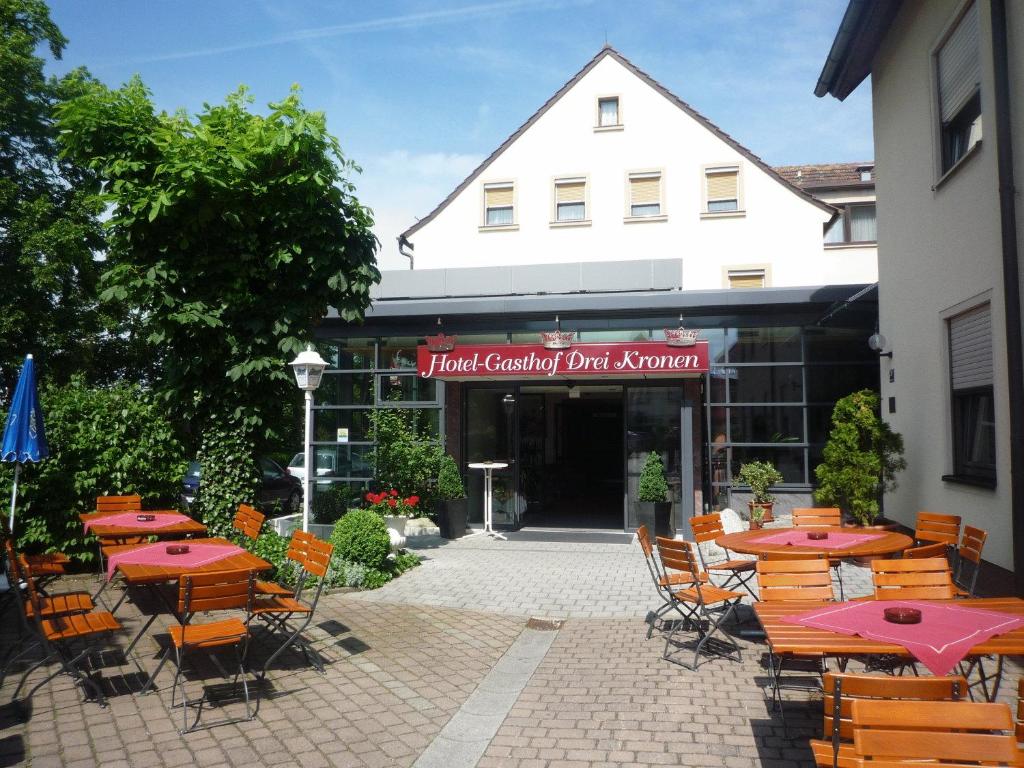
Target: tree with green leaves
{"x": 50, "y": 234}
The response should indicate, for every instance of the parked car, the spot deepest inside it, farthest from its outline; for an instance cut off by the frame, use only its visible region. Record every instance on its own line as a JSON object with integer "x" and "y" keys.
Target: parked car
{"x": 324, "y": 466}
{"x": 276, "y": 485}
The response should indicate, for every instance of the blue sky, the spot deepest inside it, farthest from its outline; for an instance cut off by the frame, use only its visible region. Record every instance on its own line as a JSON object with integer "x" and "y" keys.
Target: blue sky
{"x": 420, "y": 92}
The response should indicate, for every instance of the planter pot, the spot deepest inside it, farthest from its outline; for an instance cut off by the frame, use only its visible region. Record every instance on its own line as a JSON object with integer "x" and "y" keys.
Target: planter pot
{"x": 756, "y": 525}
{"x": 451, "y": 518}
{"x": 655, "y": 515}
{"x": 396, "y": 531}
{"x": 766, "y": 506}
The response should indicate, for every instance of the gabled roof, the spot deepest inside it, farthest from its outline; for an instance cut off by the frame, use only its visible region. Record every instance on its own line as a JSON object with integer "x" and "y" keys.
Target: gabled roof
{"x": 827, "y": 176}
{"x": 604, "y": 52}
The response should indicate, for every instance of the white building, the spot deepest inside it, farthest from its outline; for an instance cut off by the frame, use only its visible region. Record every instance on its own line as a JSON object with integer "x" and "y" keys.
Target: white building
{"x": 620, "y": 213}
{"x": 946, "y": 78}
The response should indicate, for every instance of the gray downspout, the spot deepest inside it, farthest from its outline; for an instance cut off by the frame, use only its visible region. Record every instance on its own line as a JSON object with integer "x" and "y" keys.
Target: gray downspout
{"x": 1011, "y": 282}
{"x": 403, "y": 241}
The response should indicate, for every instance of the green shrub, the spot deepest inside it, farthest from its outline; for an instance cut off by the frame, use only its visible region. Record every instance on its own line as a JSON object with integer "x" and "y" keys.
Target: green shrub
{"x": 331, "y": 501}
{"x": 103, "y": 441}
{"x": 362, "y": 537}
{"x": 404, "y": 561}
{"x": 407, "y": 457}
{"x": 652, "y": 486}
{"x": 861, "y": 458}
{"x": 229, "y": 473}
{"x": 449, "y": 481}
{"x": 760, "y": 476}
{"x": 273, "y": 548}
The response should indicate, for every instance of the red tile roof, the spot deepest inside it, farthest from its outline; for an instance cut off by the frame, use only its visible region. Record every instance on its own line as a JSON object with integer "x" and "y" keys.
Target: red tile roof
{"x": 828, "y": 175}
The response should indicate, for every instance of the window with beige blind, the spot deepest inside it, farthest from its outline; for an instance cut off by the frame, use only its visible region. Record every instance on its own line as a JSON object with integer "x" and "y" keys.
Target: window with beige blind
{"x": 958, "y": 75}
{"x": 571, "y": 199}
{"x": 722, "y": 189}
{"x": 499, "y": 202}
{"x": 746, "y": 278}
{"x": 645, "y": 194}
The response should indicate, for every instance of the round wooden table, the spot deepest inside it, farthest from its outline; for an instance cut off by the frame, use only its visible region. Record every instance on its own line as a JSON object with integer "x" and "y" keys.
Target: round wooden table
{"x": 888, "y": 543}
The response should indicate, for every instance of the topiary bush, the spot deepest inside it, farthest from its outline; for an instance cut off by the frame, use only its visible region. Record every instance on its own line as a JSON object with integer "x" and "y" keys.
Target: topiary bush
{"x": 449, "y": 481}
{"x": 103, "y": 441}
{"x": 229, "y": 472}
{"x": 362, "y": 537}
{"x": 652, "y": 486}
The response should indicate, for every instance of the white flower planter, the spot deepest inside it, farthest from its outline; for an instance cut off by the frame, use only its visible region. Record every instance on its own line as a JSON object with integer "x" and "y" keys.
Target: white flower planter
{"x": 396, "y": 531}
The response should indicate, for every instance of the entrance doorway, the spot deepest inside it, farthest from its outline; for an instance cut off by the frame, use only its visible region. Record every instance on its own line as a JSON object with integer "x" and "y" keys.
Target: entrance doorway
{"x": 570, "y": 455}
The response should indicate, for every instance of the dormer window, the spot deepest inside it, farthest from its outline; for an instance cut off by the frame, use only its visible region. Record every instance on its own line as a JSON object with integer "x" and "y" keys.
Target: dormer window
{"x": 609, "y": 114}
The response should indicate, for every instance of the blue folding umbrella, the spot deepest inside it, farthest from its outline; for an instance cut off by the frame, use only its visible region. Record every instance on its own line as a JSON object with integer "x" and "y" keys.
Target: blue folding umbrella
{"x": 24, "y": 437}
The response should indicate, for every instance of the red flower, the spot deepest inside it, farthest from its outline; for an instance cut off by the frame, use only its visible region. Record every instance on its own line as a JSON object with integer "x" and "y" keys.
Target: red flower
{"x": 369, "y": 497}
{"x": 412, "y": 501}
{"x": 394, "y": 492}
{"x": 392, "y": 503}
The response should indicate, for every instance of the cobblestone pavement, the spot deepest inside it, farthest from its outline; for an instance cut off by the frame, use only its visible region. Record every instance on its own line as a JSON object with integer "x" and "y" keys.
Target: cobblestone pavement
{"x": 426, "y": 656}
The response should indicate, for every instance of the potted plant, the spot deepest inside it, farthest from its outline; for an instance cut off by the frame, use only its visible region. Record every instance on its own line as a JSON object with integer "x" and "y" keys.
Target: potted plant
{"x": 652, "y": 496}
{"x": 861, "y": 458}
{"x": 760, "y": 476}
{"x": 396, "y": 511}
{"x": 451, "y": 496}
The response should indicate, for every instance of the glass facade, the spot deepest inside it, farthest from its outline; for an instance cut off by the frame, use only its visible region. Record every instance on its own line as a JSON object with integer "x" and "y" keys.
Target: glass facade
{"x": 768, "y": 395}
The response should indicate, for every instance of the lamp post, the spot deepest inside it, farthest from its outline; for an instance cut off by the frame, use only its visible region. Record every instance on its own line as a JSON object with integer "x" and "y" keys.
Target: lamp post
{"x": 308, "y": 368}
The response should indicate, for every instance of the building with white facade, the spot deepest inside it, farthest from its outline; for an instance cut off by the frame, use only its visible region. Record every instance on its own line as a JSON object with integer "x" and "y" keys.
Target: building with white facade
{"x": 619, "y": 214}
{"x": 947, "y": 80}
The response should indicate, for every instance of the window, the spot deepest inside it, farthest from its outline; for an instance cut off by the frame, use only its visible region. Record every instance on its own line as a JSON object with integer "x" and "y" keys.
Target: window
{"x": 644, "y": 194}
{"x": 722, "y": 189}
{"x": 958, "y": 72}
{"x": 746, "y": 278}
{"x": 608, "y": 112}
{"x": 973, "y": 416}
{"x": 571, "y": 200}
{"x": 856, "y": 224}
{"x": 498, "y": 204}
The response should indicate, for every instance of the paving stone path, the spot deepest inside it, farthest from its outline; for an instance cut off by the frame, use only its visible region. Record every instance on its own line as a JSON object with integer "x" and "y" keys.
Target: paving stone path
{"x": 439, "y": 669}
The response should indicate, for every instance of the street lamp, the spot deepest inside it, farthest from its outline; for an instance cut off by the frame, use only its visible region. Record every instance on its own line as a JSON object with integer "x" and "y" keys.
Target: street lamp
{"x": 309, "y": 368}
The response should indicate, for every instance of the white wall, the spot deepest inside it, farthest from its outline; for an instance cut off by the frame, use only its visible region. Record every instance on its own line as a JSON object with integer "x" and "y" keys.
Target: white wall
{"x": 939, "y": 249}
{"x": 779, "y": 229}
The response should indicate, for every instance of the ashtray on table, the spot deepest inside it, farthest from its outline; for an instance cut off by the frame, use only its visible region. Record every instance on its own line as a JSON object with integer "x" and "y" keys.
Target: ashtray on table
{"x": 817, "y": 535}
{"x": 145, "y": 518}
{"x": 902, "y": 615}
{"x": 177, "y": 549}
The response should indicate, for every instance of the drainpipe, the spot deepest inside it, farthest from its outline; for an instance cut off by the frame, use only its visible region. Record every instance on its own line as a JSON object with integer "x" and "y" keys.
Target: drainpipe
{"x": 1011, "y": 283}
{"x": 403, "y": 241}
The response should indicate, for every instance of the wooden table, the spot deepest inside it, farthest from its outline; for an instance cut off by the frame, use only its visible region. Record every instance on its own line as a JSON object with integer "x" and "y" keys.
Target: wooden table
{"x": 119, "y": 532}
{"x": 888, "y": 543}
{"x": 785, "y": 638}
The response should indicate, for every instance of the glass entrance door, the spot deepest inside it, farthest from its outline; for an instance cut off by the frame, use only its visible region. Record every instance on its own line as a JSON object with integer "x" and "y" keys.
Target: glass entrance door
{"x": 653, "y": 424}
{"x": 490, "y": 436}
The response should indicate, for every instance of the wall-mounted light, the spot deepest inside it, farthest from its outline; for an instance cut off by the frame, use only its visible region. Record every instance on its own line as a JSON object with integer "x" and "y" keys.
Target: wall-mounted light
{"x": 877, "y": 343}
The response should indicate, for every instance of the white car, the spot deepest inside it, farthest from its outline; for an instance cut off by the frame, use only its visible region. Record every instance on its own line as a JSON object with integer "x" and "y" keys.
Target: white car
{"x": 324, "y": 466}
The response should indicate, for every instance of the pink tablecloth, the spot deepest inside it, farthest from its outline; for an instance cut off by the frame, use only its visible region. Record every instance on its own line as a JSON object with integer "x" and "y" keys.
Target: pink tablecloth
{"x": 156, "y": 554}
{"x": 130, "y": 520}
{"x": 836, "y": 540}
{"x": 942, "y": 639}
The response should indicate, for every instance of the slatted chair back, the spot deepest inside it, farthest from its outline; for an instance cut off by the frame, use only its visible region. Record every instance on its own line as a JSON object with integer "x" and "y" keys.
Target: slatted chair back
{"x": 817, "y": 517}
{"x": 937, "y": 527}
{"x": 681, "y": 556}
{"x": 925, "y": 551}
{"x": 318, "y": 558}
{"x": 779, "y": 580}
{"x": 949, "y": 732}
{"x": 118, "y": 503}
{"x": 841, "y": 690}
{"x": 216, "y": 591}
{"x": 926, "y": 579}
{"x": 706, "y": 527}
{"x": 783, "y": 554}
{"x": 968, "y": 561}
{"x": 248, "y": 521}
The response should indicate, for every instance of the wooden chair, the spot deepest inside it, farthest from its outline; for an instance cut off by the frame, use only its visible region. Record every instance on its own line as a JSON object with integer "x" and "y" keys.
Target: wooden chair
{"x": 44, "y": 566}
{"x": 786, "y": 580}
{"x": 278, "y": 610}
{"x": 893, "y": 733}
{"x": 65, "y": 638}
{"x": 817, "y": 517}
{"x": 925, "y": 551}
{"x": 709, "y": 605}
{"x": 248, "y": 521}
{"x": 1019, "y": 726}
{"x": 968, "y": 561}
{"x": 298, "y": 547}
{"x": 926, "y": 579}
{"x": 936, "y": 527}
{"x": 201, "y": 592}
{"x": 113, "y": 505}
{"x": 841, "y": 690}
{"x": 738, "y": 572}
{"x": 663, "y": 580}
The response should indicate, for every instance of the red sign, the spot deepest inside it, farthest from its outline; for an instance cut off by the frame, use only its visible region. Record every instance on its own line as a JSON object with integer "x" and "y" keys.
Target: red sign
{"x": 532, "y": 361}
